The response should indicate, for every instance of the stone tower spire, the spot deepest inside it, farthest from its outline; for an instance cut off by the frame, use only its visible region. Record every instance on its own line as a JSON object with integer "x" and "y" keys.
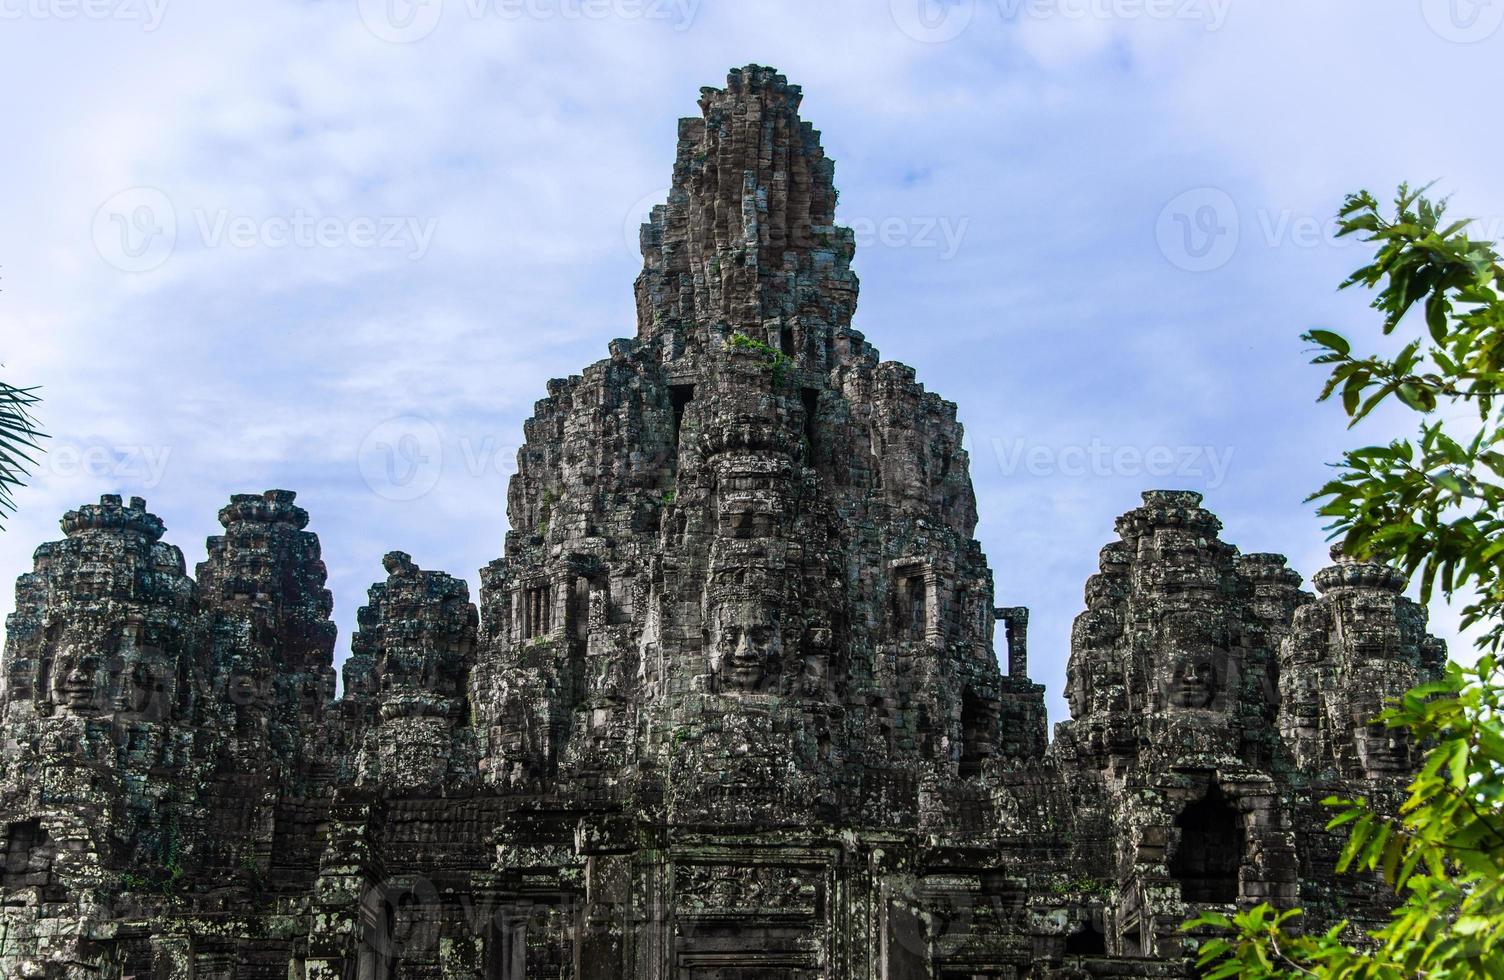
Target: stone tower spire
{"x": 747, "y": 240}
{"x": 1348, "y": 654}
{"x": 732, "y": 538}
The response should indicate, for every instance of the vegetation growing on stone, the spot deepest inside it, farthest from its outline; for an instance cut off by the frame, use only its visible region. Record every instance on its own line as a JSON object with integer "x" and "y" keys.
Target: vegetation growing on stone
{"x": 781, "y": 362}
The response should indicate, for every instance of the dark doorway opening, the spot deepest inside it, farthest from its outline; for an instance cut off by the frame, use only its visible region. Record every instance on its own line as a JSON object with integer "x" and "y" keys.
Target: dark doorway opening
{"x": 1086, "y": 941}
{"x": 811, "y": 398}
{"x": 27, "y": 859}
{"x": 680, "y": 396}
{"x": 1206, "y": 860}
{"x": 911, "y": 602}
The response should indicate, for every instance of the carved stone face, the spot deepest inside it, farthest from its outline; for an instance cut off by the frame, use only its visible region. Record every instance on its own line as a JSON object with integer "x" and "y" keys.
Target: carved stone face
{"x": 252, "y": 690}
{"x": 413, "y": 753}
{"x": 1177, "y": 560}
{"x": 401, "y": 670}
{"x": 1382, "y": 751}
{"x": 409, "y": 685}
{"x": 511, "y": 741}
{"x": 1373, "y": 684}
{"x": 310, "y": 698}
{"x": 751, "y": 514}
{"x": 1076, "y": 694}
{"x": 75, "y": 682}
{"x": 511, "y": 744}
{"x": 1192, "y": 660}
{"x": 745, "y": 644}
{"x": 1193, "y": 680}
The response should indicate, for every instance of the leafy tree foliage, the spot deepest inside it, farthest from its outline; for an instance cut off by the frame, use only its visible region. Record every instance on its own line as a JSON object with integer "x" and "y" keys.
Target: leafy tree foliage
{"x": 1434, "y": 507}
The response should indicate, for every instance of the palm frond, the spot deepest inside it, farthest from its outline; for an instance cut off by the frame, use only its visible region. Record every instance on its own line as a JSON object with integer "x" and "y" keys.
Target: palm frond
{"x": 20, "y": 436}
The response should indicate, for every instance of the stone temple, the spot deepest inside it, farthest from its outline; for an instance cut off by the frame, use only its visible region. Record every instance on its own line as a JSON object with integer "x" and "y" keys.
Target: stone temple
{"x": 728, "y": 707}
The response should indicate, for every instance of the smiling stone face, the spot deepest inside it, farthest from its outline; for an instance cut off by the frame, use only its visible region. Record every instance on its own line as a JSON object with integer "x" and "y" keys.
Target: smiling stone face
{"x": 1193, "y": 680}
{"x": 1382, "y": 751}
{"x": 76, "y": 682}
{"x": 1192, "y": 661}
{"x": 745, "y": 645}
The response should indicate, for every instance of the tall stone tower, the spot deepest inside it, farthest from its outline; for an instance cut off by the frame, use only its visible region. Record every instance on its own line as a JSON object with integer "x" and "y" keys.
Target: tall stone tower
{"x": 731, "y": 706}
{"x": 743, "y": 544}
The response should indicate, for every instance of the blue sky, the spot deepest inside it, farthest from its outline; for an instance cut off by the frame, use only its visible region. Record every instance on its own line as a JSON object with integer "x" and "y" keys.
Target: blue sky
{"x": 253, "y": 245}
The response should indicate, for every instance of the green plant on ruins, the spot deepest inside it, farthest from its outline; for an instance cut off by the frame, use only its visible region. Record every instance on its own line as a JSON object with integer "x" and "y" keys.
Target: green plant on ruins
{"x": 545, "y": 513}
{"x": 1099, "y": 887}
{"x": 252, "y": 868}
{"x": 1434, "y": 507}
{"x": 165, "y": 875}
{"x": 780, "y": 361}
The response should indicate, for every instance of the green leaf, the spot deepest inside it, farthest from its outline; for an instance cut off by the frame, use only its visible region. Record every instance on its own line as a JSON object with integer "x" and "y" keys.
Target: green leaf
{"x": 1331, "y": 341}
{"x": 1471, "y": 925}
{"x": 1458, "y": 767}
{"x": 1417, "y": 398}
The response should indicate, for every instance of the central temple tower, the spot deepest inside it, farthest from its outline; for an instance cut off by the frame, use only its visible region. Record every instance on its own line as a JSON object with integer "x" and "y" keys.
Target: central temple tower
{"x": 743, "y": 544}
